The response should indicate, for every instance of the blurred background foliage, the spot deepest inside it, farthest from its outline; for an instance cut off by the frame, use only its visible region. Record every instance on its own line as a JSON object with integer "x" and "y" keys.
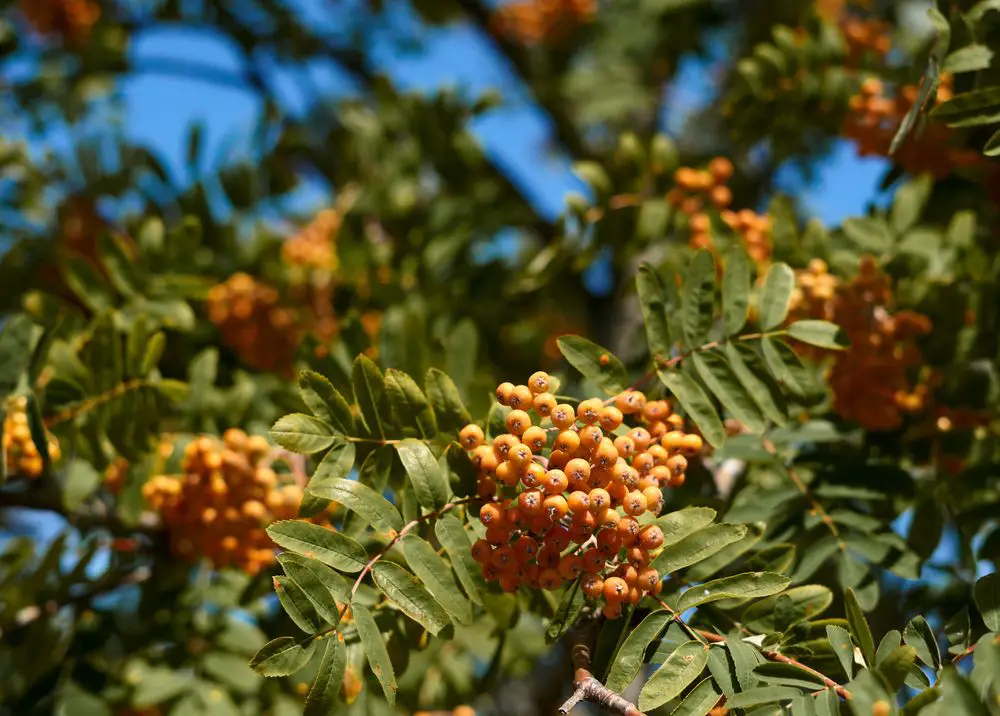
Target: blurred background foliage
{"x": 145, "y": 307}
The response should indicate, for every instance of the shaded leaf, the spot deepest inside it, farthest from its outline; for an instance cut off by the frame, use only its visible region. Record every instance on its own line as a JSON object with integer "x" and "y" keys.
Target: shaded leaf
{"x": 776, "y": 296}
{"x": 987, "y": 595}
{"x": 323, "y": 694}
{"x": 696, "y": 404}
{"x": 860, "y": 630}
{"x": 735, "y": 291}
{"x": 282, "y": 656}
{"x": 450, "y": 411}
{"x": 680, "y": 669}
{"x": 720, "y": 378}
{"x": 566, "y": 613}
{"x": 407, "y": 593}
{"x": 840, "y": 640}
{"x": 740, "y": 586}
{"x": 595, "y": 363}
{"x": 920, "y": 636}
{"x": 819, "y": 333}
{"x": 297, "y": 605}
{"x": 455, "y": 540}
{"x": 15, "y": 352}
{"x": 654, "y": 304}
{"x": 369, "y": 388}
{"x": 751, "y": 372}
{"x": 787, "y": 368}
{"x": 429, "y": 483}
{"x": 698, "y": 311}
{"x": 408, "y": 403}
{"x": 321, "y": 585}
{"x": 375, "y": 651}
{"x": 325, "y": 401}
{"x": 629, "y": 659}
{"x": 763, "y": 695}
{"x": 437, "y": 576}
{"x": 699, "y": 701}
{"x": 362, "y": 499}
{"x": 784, "y": 674}
{"x": 327, "y": 545}
{"x": 794, "y": 605}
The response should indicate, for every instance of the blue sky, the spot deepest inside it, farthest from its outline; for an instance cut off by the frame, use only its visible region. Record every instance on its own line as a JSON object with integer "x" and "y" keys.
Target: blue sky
{"x": 160, "y": 110}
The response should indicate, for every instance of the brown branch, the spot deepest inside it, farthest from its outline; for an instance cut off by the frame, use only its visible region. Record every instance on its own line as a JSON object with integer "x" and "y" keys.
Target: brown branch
{"x": 586, "y": 687}
{"x": 964, "y": 654}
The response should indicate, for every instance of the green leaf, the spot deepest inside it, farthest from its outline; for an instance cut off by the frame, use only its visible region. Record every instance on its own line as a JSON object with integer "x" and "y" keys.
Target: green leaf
{"x": 282, "y": 656}
{"x": 369, "y": 387}
{"x": 911, "y": 198}
{"x": 325, "y": 689}
{"x": 776, "y": 296}
{"x": 629, "y": 659}
{"x": 859, "y": 627}
{"x": 895, "y": 667}
{"x": 437, "y": 576}
{"x": 735, "y": 291}
{"x": 407, "y": 593}
{"x": 455, "y": 540}
{"x": 992, "y": 148}
{"x": 716, "y": 373}
{"x": 595, "y": 363}
{"x": 80, "y": 481}
{"x": 787, "y": 369}
{"x": 819, "y": 333}
{"x": 970, "y": 109}
{"x": 326, "y": 402}
{"x": 451, "y": 413}
{"x": 360, "y": 498}
{"x": 86, "y": 283}
{"x": 303, "y": 434}
{"x": 868, "y": 234}
{"x": 741, "y": 586}
{"x": 462, "y": 346}
{"x": 890, "y": 641}
{"x": 798, "y": 603}
{"x": 680, "y": 669}
{"x": 698, "y": 311}
{"x": 696, "y": 547}
{"x": 429, "y": 484}
{"x": 726, "y": 556}
{"x": 327, "y": 545}
{"x": 920, "y": 636}
{"x": 699, "y": 701}
{"x": 15, "y": 352}
{"x": 337, "y": 464}
{"x": 784, "y": 674}
{"x": 958, "y": 630}
{"x": 655, "y": 308}
{"x": 153, "y": 352}
{"x": 763, "y": 695}
{"x": 408, "y": 403}
{"x": 679, "y": 524}
{"x": 375, "y": 651}
{"x": 971, "y": 58}
{"x": 961, "y": 232}
{"x": 321, "y": 585}
{"x": 158, "y": 684}
{"x": 750, "y": 370}
{"x": 840, "y": 641}
{"x": 566, "y": 612}
{"x": 744, "y": 658}
{"x": 696, "y": 404}
{"x": 987, "y": 595}
{"x": 297, "y": 605}
{"x": 958, "y": 696}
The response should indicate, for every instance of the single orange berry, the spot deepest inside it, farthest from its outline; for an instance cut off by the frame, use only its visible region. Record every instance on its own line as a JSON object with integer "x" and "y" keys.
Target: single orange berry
{"x": 592, "y": 585}
{"x": 539, "y": 382}
{"x": 615, "y": 589}
{"x": 521, "y": 398}
{"x": 563, "y": 416}
{"x": 535, "y": 438}
{"x": 471, "y": 437}
{"x": 504, "y": 391}
{"x": 517, "y": 422}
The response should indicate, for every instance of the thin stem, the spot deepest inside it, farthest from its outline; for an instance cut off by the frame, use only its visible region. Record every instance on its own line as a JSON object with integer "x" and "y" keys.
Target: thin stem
{"x": 817, "y": 506}
{"x": 406, "y": 529}
{"x": 97, "y": 401}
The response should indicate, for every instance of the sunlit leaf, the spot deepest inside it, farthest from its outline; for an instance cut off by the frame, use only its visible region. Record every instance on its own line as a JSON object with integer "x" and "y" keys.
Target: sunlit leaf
{"x": 282, "y": 656}
{"x": 680, "y": 669}
{"x": 327, "y": 545}
{"x": 776, "y": 296}
{"x": 696, "y": 404}
{"x": 411, "y": 597}
{"x": 629, "y": 658}
{"x": 594, "y": 362}
{"x": 698, "y": 311}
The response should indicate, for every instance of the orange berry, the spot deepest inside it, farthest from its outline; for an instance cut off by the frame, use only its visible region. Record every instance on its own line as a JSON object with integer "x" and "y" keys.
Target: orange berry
{"x": 517, "y": 422}
{"x": 533, "y": 475}
{"x": 482, "y": 551}
{"x": 535, "y": 437}
{"x": 503, "y": 557}
{"x": 521, "y": 398}
{"x": 570, "y": 566}
{"x": 578, "y": 470}
{"x": 651, "y": 537}
{"x": 629, "y": 402}
{"x": 608, "y": 518}
{"x": 615, "y": 589}
{"x": 526, "y": 548}
{"x": 558, "y": 537}
{"x": 490, "y": 514}
{"x": 625, "y": 446}
{"x": 531, "y": 501}
{"x": 504, "y": 391}
{"x": 609, "y": 542}
{"x": 507, "y": 473}
{"x": 497, "y": 534}
{"x": 599, "y": 499}
{"x": 539, "y": 382}
{"x": 567, "y": 441}
{"x": 641, "y": 438}
{"x": 721, "y": 169}
{"x": 636, "y": 557}
{"x": 471, "y": 437}
{"x": 578, "y": 502}
{"x": 612, "y": 610}
{"x": 628, "y": 528}
{"x": 550, "y": 579}
{"x": 502, "y": 445}
{"x": 592, "y": 585}
{"x": 606, "y": 455}
{"x": 589, "y": 411}
{"x": 692, "y": 445}
{"x": 643, "y": 463}
{"x": 555, "y": 482}
{"x": 611, "y": 418}
{"x": 590, "y": 437}
{"x": 648, "y": 579}
{"x": 519, "y": 456}
{"x": 593, "y": 560}
{"x": 563, "y": 416}
{"x": 544, "y": 404}
{"x": 654, "y": 499}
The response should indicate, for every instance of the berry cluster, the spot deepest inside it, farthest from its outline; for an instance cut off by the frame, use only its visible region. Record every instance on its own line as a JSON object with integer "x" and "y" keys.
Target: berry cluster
{"x": 314, "y": 247}
{"x": 693, "y": 188}
{"x": 22, "y": 454}
{"x": 71, "y": 20}
{"x": 252, "y": 322}
{"x": 549, "y": 22}
{"x": 566, "y": 499}
{"x": 220, "y": 504}
{"x": 870, "y": 380}
{"x": 457, "y": 711}
{"x": 863, "y": 36}
{"x": 875, "y": 116}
